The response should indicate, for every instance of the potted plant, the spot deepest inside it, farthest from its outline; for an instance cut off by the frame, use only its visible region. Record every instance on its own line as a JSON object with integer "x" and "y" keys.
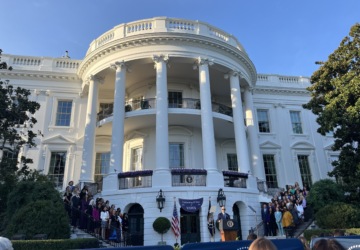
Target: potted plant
{"x": 161, "y": 225}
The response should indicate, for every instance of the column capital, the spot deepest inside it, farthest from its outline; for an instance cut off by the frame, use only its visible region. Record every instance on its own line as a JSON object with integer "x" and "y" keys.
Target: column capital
{"x": 94, "y": 78}
{"x": 233, "y": 73}
{"x": 203, "y": 61}
{"x": 160, "y": 58}
{"x": 119, "y": 65}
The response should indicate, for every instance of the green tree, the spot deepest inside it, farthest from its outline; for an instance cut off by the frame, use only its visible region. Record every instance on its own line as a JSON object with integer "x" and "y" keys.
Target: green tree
{"x": 335, "y": 92}
{"x": 324, "y": 192}
{"x": 338, "y": 215}
{"x": 16, "y": 124}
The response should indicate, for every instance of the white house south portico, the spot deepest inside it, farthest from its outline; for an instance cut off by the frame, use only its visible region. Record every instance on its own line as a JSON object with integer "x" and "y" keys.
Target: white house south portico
{"x": 173, "y": 105}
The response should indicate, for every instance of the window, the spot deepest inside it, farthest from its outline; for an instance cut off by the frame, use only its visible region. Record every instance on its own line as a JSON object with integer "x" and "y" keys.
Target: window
{"x": 333, "y": 158}
{"x": 102, "y": 166}
{"x": 57, "y": 168}
{"x": 136, "y": 159}
{"x": 105, "y": 110}
{"x": 296, "y": 122}
{"x": 9, "y": 157}
{"x": 270, "y": 171}
{"x": 263, "y": 120}
{"x": 136, "y": 165}
{"x": 63, "y": 114}
{"x": 305, "y": 170}
{"x": 176, "y": 155}
{"x": 232, "y": 162}
{"x": 175, "y": 99}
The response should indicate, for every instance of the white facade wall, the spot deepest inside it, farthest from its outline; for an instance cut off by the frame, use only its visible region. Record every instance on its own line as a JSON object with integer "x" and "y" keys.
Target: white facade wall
{"x": 54, "y": 79}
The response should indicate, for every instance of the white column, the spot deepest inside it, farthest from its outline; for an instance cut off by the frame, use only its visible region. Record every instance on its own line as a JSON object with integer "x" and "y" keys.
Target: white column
{"x": 117, "y": 138}
{"x": 239, "y": 126}
{"x": 89, "y": 136}
{"x": 162, "y": 134}
{"x": 207, "y": 126}
{"x": 256, "y": 157}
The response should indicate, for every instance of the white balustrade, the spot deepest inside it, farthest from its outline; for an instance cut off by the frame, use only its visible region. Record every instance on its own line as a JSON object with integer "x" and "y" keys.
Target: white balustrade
{"x": 26, "y": 61}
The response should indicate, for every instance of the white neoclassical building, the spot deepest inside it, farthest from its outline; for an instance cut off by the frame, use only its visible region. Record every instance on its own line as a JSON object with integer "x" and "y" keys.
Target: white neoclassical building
{"x": 172, "y": 105}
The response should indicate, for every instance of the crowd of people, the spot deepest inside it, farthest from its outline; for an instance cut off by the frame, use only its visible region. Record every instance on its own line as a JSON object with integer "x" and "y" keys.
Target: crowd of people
{"x": 95, "y": 215}
{"x": 285, "y": 211}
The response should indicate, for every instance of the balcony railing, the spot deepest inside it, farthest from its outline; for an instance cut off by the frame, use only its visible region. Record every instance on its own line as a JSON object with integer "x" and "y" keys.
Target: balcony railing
{"x": 150, "y": 103}
{"x": 188, "y": 177}
{"x": 234, "y": 179}
{"x": 135, "y": 179}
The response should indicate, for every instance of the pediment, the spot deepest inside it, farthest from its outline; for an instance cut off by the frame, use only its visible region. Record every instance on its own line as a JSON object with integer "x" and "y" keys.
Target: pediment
{"x": 228, "y": 143}
{"x": 329, "y": 147}
{"x": 103, "y": 139}
{"x": 269, "y": 144}
{"x": 58, "y": 139}
{"x": 135, "y": 135}
{"x": 302, "y": 145}
{"x": 178, "y": 130}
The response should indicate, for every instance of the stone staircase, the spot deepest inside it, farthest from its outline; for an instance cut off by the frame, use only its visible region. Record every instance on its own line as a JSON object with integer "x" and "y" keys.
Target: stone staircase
{"x": 80, "y": 234}
{"x": 302, "y": 227}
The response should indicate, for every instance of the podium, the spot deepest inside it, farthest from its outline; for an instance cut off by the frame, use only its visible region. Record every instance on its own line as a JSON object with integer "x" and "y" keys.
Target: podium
{"x": 228, "y": 229}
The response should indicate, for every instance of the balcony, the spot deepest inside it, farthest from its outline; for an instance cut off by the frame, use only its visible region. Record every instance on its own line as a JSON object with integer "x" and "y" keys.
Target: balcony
{"x": 135, "y": 179}
{"x": 150, "y": 103}
{"x": 188, "y": 177}
{"x": 234, "y": 179}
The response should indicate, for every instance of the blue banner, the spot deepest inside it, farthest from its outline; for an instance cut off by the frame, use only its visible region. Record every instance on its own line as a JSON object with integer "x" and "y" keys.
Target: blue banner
{"x": 191, "y": 205}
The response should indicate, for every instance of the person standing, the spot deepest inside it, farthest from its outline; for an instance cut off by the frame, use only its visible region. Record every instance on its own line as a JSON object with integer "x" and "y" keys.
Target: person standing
{"x": 75, "y": 208}
{"x": 272, "y": 223}
{"x": 287, "y": 222}
{"x": 278, "y": 218}
{"x": 223, "y": 215}
{"x": 265, "y": 216}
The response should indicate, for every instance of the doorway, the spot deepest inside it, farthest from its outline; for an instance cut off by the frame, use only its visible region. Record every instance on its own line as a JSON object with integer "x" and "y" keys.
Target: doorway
{"x": 136, "y": 225}
{"x": 190, "y": 226}
{"x": 236, "y": 213}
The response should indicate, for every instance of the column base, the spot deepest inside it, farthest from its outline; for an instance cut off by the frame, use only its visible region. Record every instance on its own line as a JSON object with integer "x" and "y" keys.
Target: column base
{"x": 214, "y": 179}
{"x": 161, "y": 178}
{"x": 110, "y": 183}
{"x": 251, "y": 182}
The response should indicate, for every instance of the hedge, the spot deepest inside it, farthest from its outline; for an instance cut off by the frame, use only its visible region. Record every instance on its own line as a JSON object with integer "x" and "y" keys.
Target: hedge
{"x": 65, "y": 244}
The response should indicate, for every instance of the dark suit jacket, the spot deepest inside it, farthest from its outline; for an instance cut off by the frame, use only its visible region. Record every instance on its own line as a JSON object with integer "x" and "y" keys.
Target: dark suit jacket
{"x": 222, "y": 216}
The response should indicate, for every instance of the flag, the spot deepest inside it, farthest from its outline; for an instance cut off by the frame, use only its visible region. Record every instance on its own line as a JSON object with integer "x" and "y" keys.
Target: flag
{"x": 175, "y": 222}
{"x": 211, "y": 223}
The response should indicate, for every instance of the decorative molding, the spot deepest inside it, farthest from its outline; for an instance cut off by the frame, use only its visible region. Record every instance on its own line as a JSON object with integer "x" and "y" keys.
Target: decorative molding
{"x": 278, "y": 91}
{"x": 160, "y": 58}
{"x": 41, "y": 76}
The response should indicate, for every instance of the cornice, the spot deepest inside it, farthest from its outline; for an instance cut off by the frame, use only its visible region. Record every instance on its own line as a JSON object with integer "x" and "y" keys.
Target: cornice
{"x": 164, "y": 39}
{"x": 281, "y": 91}
{"x": 39, "y": 76}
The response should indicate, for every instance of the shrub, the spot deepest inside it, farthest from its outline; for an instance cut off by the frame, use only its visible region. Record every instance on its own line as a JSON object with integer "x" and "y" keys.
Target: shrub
{"x": 30, "y": 191}
{"x": 40, "y": 217}
{"x": 55, "y": 244}
{"x": 161, "y": 225}
{"x": 324, "y": 192}
{"x": 338, "y": 215}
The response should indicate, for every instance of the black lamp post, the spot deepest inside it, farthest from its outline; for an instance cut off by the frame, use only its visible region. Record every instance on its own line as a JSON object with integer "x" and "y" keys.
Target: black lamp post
{"x": 221, "y": 198}
{"x": 160, "y": 199}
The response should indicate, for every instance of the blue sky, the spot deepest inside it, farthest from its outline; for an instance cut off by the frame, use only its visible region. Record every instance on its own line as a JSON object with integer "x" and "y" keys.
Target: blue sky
{"x": 281, "y": 36}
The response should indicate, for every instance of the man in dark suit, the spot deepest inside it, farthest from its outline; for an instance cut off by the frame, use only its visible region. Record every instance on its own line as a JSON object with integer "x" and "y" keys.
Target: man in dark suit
{"x": 265, "y": 215}
{"x": 223, "y": 215}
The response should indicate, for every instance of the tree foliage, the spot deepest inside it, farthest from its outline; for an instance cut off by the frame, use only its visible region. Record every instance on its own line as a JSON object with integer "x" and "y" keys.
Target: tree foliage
{"x": 324, "y": 192}
{"x": 40, "y": 217}
{"x": 161, "y": 225}
{"x": 338, "y": 215}
{"x": 16, "y": 124}
{"x": 335, "y": 92}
